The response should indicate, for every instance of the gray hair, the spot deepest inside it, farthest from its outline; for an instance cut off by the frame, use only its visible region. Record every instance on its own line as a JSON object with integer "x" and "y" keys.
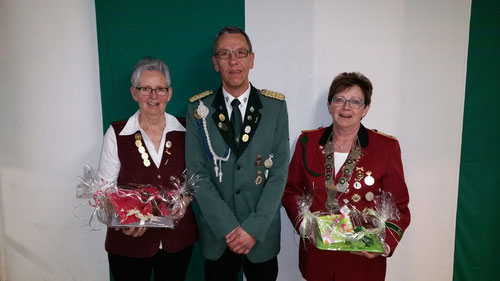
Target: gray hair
{"x": 149, "y": 64}
{"x": 232, "y": 30}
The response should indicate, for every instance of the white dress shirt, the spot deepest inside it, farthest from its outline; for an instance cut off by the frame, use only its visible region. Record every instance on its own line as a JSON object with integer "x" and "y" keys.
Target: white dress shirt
{"x": 109, "y": 163}
{"x": 243, "y": 102}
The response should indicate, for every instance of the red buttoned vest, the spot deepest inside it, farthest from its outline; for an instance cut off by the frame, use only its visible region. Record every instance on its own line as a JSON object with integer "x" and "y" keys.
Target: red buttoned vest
{"x": 134, "y": 171}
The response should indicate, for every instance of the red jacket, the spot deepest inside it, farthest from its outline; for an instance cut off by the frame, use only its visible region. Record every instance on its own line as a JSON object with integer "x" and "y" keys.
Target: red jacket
{"x": 132, "y": 170}
{"x": 381, "y": 155}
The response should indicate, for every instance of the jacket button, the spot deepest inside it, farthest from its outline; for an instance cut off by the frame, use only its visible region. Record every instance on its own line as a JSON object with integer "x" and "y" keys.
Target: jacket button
{"x": 159, "y": 176}
{"x": 237, "y": 192}
{"x": 238, "y": 167}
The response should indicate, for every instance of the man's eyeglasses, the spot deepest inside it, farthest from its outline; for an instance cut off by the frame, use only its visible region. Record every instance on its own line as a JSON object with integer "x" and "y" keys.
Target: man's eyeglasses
{"x": 146, "y": 91}
{"x": 354, "y": 102}
{"x": 226, "y": 54}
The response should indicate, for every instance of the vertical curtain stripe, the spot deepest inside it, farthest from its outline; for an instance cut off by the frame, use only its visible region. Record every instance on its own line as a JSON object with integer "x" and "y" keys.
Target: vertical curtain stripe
{"x": 478, "y": 209}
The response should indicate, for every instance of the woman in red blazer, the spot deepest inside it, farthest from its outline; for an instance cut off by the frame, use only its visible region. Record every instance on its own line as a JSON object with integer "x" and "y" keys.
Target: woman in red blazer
{"x": 346, "y": 162}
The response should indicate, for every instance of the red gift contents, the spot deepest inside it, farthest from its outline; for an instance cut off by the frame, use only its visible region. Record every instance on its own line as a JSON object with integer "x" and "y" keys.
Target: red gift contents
{"x": 142, "y": 204}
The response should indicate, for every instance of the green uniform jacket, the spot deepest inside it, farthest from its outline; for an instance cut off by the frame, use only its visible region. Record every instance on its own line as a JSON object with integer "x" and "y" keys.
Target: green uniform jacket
{"x": 249, "y": 194}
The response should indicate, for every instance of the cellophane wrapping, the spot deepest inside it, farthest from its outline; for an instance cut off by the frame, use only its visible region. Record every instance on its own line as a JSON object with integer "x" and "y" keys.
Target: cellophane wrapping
{"x": 351, "y": 229}
{"x": 131, "y": 204}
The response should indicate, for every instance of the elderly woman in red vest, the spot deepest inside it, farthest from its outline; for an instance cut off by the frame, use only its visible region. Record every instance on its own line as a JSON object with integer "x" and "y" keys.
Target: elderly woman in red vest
{"x": 346, "y": 163}
{"x": 133, "y": 253}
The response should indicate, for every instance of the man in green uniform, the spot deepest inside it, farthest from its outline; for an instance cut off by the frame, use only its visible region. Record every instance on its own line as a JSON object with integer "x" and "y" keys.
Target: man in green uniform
{"x": 237, "y": 142}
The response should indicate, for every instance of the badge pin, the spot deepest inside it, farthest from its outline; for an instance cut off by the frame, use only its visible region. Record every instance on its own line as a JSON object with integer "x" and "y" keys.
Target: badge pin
{"x": 224, "y": 127}
{"x": 248, "y": 129}
{"x": 138, "y": 136}
{"x": 144, "y": 156}
{"x": 356, "y": 198}
{"x": 369, "y": 180}
{"x": 369, "y": 196}
{"x": 244, "y": 138}
{"x": 357, "y": 185}
{"x": 138, "y": 143}
{"x": 258, "y": 180}
{"x": 146, "y": 162}
{"x": 222, "y": 117}
{"x": 252, "y": 109}
{"x": 219, "y": 125}
{"x": 168, "y": 144}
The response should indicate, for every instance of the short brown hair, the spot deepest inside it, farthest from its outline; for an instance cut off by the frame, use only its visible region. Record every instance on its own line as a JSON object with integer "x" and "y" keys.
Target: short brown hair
{"x": 346, "y": 80}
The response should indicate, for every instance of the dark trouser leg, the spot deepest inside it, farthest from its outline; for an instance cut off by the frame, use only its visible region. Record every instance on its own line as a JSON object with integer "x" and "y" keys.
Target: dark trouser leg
{"x": 262, "y": 271}
{"x": 130, "y": 269}
{"x": 226, "y": 268}
{"x": 171, "y": 266}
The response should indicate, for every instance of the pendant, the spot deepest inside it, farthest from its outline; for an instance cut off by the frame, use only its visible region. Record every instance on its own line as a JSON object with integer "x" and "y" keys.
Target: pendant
{"x": 269, "y": 161}
{"x": 369, "y": 180}
{"x": 332, "y": 203}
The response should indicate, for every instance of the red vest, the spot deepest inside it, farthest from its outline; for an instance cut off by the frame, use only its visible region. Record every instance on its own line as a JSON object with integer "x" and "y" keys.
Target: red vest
{"x": 132, "y": 170}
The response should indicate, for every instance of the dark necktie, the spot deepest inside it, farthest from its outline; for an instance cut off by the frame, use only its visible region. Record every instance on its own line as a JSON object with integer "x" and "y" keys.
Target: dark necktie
{"x": 236, "y": 120}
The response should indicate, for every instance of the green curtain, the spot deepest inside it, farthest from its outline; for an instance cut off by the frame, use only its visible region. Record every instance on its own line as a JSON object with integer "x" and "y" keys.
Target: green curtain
{"x": 478, "y": 210}
{"x": 180, "y": 32}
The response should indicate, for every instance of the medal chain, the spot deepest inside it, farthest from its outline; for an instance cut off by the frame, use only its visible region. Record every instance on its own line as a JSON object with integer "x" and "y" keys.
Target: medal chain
{"x": 331, "y": 203}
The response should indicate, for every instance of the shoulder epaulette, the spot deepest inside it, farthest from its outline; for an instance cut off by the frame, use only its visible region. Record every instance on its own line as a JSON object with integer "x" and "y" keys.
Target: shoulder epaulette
{"x": 273, "y": 94}
{"x": 383, "y": 134}
{"x": 200, "y": 96}
{"x": 312, "y": 130}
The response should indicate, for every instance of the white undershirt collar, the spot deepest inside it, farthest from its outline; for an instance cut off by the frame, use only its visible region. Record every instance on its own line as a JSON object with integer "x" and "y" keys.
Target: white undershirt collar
{"x": 228, "y": 98}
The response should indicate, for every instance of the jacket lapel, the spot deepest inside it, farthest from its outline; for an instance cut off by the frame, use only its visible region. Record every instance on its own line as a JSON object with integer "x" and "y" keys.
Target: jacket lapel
{"x": 221, "y": 120}
{"x": 251, "y": 121}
